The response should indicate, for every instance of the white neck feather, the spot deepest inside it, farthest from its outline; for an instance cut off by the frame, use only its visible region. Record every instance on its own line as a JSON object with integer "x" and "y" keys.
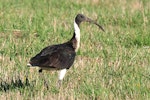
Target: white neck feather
{"x": 77, "y": 34}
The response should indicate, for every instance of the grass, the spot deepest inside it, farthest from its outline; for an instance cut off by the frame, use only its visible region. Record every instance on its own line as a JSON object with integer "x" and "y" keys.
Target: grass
{"x": 111, "y": 65}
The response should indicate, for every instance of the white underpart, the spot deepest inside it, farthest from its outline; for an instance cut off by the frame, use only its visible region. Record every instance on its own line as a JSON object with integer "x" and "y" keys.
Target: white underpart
{"x": 62, "y": 74}
{"x": 77, "y": 34}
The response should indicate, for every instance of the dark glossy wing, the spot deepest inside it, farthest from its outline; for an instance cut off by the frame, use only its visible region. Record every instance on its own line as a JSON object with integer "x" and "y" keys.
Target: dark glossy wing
{"x": 56, "y": 56}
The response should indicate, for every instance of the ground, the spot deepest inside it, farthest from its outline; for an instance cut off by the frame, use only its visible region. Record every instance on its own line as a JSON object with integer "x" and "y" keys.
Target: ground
{"x": 114, "y": 64}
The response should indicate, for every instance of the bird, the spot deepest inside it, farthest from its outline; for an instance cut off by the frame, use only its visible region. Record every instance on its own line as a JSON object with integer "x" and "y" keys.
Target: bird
{"x": 61, "y": 56}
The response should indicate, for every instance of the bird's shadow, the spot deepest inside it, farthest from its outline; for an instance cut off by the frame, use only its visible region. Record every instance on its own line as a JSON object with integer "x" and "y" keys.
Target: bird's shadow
{"x": 13, "y": 84}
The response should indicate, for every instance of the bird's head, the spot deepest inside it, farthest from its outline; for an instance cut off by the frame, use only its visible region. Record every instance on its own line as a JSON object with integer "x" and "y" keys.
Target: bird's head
{"x": 81, "y": 18}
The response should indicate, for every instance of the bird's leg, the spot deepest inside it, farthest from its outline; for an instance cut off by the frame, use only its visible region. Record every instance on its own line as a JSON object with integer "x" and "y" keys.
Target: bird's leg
{"x": 61, "y": 76}
{"x": 27, "y": 80}
{"x": 45, "y": 82}
{"x": 40, "y": 70}
{"x": 59, "y": 83}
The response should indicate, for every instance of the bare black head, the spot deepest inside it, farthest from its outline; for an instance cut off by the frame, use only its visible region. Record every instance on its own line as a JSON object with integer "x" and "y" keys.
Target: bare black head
{"x": 81, "y": 18}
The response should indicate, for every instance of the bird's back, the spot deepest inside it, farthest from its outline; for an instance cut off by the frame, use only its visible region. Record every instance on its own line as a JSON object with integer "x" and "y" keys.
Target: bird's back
{"x": 56, "y": 56}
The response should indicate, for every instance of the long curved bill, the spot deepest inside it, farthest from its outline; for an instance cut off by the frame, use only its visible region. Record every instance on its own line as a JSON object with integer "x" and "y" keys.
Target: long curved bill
{"x": 94, "y": 22}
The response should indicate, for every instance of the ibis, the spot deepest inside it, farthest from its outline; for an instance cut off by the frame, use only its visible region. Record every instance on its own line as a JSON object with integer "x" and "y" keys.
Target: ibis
{"x": 61, "y": 56}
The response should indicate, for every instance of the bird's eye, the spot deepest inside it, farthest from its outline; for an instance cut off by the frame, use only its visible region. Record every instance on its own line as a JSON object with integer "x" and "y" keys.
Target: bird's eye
{"x": 81, "y": 16}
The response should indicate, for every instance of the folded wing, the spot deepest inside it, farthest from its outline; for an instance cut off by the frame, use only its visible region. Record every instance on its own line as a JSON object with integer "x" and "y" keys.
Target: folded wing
{"x": 55, "y": 56}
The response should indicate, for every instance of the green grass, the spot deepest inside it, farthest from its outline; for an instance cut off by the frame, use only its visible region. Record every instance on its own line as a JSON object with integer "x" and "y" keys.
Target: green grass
{"x": 111, "y": 65}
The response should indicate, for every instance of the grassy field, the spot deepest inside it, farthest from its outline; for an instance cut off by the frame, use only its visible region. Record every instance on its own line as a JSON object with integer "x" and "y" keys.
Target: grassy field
{"x": 114, "y": 65}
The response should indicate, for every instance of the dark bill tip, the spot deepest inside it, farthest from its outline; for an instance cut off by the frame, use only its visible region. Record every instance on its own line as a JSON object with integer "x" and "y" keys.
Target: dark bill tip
{"x": 94, "y": 22}
{"x": 99, "y": 26}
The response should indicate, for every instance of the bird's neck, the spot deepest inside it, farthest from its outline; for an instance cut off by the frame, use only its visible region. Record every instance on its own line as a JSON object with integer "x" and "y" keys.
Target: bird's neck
{"x": 76, "y": 36}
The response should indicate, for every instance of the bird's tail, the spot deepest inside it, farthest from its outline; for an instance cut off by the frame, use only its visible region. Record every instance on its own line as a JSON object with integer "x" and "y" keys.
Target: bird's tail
{"x": 29, "y": 65}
